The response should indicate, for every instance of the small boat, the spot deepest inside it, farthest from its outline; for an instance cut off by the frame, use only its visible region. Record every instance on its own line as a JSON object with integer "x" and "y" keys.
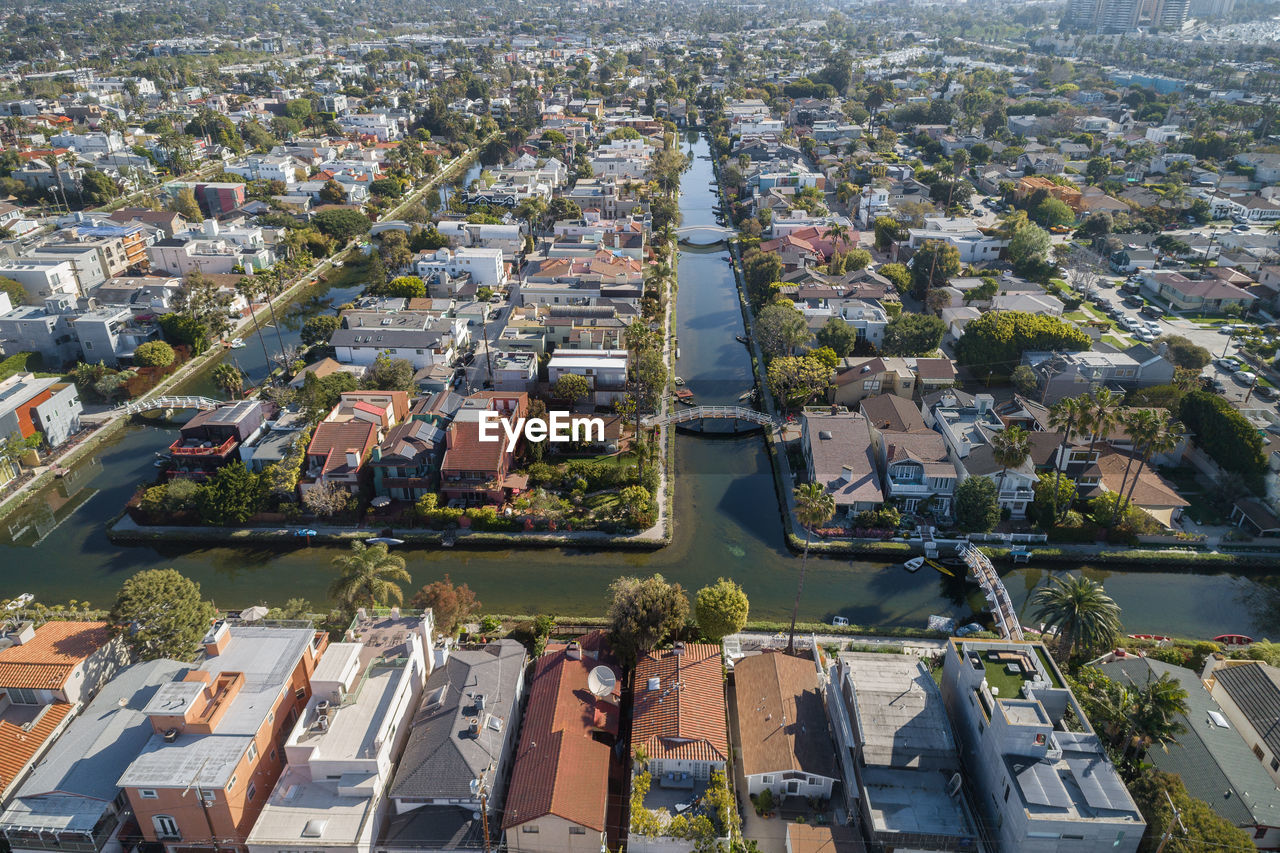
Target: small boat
{"x": 161, "y": 463}
{"x": 746, "y": 395}
{"x": 679, "y": 381}
{"x": 685, "y": 397}
{"x": 1233, "y": 640}
{"x": 1159, "y": 638}
{"x": 839, "y": 622}
{"x": 941, "y": 568}
{"x": 238, "y": 343}
{"x": 384, "y": 540}
{"x": 913, "y": 564}
{"x": 677, "y": 352}
{"x": 20, "y": 602}
{"x": 338, "y": 264}
{"x": 742, "y": 339}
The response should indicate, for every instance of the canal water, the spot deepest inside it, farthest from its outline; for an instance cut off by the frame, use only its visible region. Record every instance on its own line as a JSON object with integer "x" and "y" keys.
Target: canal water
{"x": 726, "y": 514}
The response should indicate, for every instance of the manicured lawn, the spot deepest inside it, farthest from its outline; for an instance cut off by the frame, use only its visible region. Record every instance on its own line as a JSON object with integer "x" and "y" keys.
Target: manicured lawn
{"x": 1009, "y": 685}
{"x": 1115, "y": 342}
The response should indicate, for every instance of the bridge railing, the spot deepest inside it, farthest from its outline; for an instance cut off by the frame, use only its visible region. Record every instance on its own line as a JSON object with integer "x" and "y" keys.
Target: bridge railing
{"x": 186, "y": 402}
{"x": 697, "y": 413}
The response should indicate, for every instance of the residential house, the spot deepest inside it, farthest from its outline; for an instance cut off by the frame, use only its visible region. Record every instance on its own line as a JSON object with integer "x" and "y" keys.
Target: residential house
{"x": 338, "y": 452}
{"x": 406, "y": 464}
{"x": 216, "y": 735}
{"x": 477, "y": 471}
{"x": 897, "y": 755}
{"x": 840, "y": 455}
{"x": 459, "y": 754}
{"x": 604, "y": 370}
{"x": 785, "y": 746}
{"x": 1210, "y": 755}
{"x": 858, "y": 377}
{"x": 39, "y": 406}
{"x": 422, "y": 338}
{"x": 344, "y": 745}
{"x": 213, "y": 437}
{"x": 1068, "y": 195}
{"x": 974, "y": 246}
{"x": 484, "y": 266}
{"x": 967, "y": 424}
{"x": 71, "y": 800}
{"x": 560, "y": 780}
{"x": 1210, "y": 295}
{"x": 1070, "y": 374}
{"x": 1249, "y": 694}
{"x": 46, "y": 674}
{"x": 1035, "y": 767}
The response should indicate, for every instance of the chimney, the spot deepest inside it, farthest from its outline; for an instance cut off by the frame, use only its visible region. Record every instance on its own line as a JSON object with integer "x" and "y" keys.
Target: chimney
{"x": 216, "y": 641}
{"x": 574, "y": 651}
{"x": 678, "y": 648}
{"x": 26, "y": 633}
{"x": 846, "y": 473}
{"x": 653, "y": 684}
{"x": 473, "y": 727}
{"x": 478, "y": 699}
{"x": 353, "y": 459}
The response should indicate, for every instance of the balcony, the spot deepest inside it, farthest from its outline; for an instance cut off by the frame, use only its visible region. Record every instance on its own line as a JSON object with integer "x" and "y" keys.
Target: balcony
{"x": 196, "y": 447}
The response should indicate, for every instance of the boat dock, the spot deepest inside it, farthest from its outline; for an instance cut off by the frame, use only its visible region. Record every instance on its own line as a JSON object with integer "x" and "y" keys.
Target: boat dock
{"x": 980, "y": 567}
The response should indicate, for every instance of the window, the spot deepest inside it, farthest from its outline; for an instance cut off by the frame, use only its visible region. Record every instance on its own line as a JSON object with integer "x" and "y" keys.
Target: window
{"x": 767, "y": 780}
{"x": 253, "y": 752}
{"x": 166, "y": 828}
{"x": 1257, "y": 750}
{"x": 232, "y": 783}
{"x": 252, "y": 792}
{"x": 528, "y": 828}
{"x": 300, "y": 693}
{"x": 148, "y": 794}
{"x": 577, "y": 830}
{"x": 22, "y": 696}
{"x": 1275, "y": 764}
{"x": 1260, "y": 832}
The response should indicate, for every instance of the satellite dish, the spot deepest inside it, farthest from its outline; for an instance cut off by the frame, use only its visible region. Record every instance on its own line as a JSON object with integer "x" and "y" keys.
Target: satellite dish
{"x": 601, "y": 681}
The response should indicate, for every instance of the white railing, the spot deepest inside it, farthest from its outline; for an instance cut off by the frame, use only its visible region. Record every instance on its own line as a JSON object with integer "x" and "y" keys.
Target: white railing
{"x": 1007, "y": 624}
{"x": 154, "y": 403}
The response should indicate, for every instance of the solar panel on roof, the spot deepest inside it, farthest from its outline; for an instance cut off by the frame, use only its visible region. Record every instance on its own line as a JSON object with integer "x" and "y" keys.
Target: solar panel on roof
{"x": 1040, "y": 784}
{"x": 1100, "y": 783}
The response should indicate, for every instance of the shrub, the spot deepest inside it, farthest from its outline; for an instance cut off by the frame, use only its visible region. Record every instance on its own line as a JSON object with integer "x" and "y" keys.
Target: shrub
{"x": 154, "y": 354}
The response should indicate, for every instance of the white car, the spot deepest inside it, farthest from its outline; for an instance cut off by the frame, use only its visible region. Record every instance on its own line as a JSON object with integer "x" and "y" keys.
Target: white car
{"x": 1130, "y": 324}
{"x": 1154, "y": 328}
{"x": 1145, "y": 336}
{"x": 1244, "y": 377}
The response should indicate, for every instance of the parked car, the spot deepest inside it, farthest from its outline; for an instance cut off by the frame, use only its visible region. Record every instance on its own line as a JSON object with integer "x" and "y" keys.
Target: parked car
{"x": 1244, "y": 377}
{"x": 1228, "y": 364}
{"x": 1152, "y": 311}
{"x": 1266, "y": 392}
{"x": 1134, "y": 301}
{"x": 1154, "y": 328}
{"x": 1145, "y": 336}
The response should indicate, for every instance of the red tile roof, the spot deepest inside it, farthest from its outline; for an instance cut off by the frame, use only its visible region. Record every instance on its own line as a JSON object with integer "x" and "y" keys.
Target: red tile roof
{"x": 20, "y": 746}
{"x": 560, "y": 769}
{"x": 468, "y": 453}
{"x": 333, "y": 439}
{"x": 47, "y": 661}
{"x": 685, "y": 717}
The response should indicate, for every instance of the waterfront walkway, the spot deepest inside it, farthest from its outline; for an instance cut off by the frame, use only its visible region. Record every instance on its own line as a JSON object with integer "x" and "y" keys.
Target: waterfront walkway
{"x": 1007, "y": 625}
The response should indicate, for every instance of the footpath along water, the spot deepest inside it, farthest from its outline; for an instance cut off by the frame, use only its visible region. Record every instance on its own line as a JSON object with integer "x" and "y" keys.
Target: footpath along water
{"x": 726, "y": 515}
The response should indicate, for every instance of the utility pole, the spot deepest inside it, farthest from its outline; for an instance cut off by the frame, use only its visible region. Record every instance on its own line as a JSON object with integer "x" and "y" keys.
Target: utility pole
{"x": 1168, "y": 830}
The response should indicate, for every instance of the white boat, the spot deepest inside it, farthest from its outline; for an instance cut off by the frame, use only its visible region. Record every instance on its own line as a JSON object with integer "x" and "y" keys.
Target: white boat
{"x": 338, "y": 264}
{"x": 20, "y": 602}
{"x": 679, "y": 381}
{"x": 839, "y": 622}
{"x": 384, "y": 540}
{"x": 914, "y": 564}
{"x": 237, "y": 343}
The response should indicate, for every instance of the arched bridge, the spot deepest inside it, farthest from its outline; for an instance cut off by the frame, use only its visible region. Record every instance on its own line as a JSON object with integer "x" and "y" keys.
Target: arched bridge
{"x": 150, "y": 405}
{"x": 704, "y": 235}
{"x": 698, "y": 415}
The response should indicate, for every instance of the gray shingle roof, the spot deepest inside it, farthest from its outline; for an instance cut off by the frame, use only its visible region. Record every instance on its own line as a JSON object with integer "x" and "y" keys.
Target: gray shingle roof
{"x": 1215, "y": 763}
{"x": 441, "y": 758}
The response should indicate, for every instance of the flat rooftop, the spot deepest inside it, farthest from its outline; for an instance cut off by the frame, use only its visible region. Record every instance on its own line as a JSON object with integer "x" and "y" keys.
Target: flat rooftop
{"x": 353, "y": 726}
{"x": 298, "y": 802}
{"x": 913, "y": 801}
{"x": 900, "y": 712}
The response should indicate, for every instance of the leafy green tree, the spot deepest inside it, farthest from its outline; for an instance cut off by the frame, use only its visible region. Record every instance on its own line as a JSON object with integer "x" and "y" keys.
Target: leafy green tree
{"x": 98, "y": 188}
{"x": 1051, "y": 212}
{"x": 898, "y": 274}
{"x": 319, "y": 394}
{"x": 643, "y": 613}
{"x": 977, "y": 505}
{"x": 759, "y": 271}
{"x": 154, "y": 354}
{"x": 1029, "y": 247}
{"x": 319, "y": 329}
{"x": 1184, "y": 353}
{"x": 814, "y": 506}
{"x": 368, "y": 576}
{"x": 933, "y": 265}
{"x": 1223, "y": 433}
{"x": 1205, "y": 828}
{"x": 160, "y": 614}
{"x": 406, "y": 287}
{"x": 17, "y": 293}
{"x": 797, "y": 380}
{"x": 333, "y": 192}
{"x": 1024, "y": 380}
{"x": 888, "y": 231}
{"x": 721, "y": 609}
{"x": 781, "y": 329}
{"x": 342, "y": 224}
{"x": 997, "y": 341}
{"x": 838, "y": 335}
{"x": 1051, "y": 492}
{"x": 636, "y": 507}
{"x": 231, "y": 496}
{"x": 1086, "y": 618}
{"x": 184, "y": 203}
{"x": 386, "y": 187}
{"x": 390, "y": 374}
{"x": 450, "y": 605}
{"x": 913, "y": 335}
{"x": 571, "y": 387}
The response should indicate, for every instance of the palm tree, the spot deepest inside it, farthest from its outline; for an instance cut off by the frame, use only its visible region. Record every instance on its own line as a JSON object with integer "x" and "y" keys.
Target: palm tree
{"x": 229, "y": 379}
{"x": 814, "y": 506}
{"x": 269, "y": 282}
{"x": 1151, "y": 434}
{"x": 369, "y": 576}
{"x": 1065, "y": 415}
{"x": 1099, "y": 417}
{"x": 248, "y": 288}
{"x": 1085, "y": 616}
{"x": 837, "y": 232}
{"x": 1010, "y": 447}
{"x": 1154, "y": 714}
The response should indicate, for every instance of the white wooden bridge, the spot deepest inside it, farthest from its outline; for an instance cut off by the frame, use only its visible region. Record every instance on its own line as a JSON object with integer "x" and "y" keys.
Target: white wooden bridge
{"x": 697, "y": 414}
{"x": 706, "y": 234}
{"x": 1007, "y": 625}
{"x": 154, "y": 403}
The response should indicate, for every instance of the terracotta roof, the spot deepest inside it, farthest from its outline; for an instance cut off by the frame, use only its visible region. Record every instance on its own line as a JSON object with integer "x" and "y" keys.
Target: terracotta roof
{"x": 47, "y": 661}
{"x": 685, "y": 722}
{"x": 20, "y": 746}
{"x": 781, "y": 718}
{"x": 891, "y": 412}
{"x": 560, "y": 769}
{"x": 1152, "y": 490}
{"x": 332, "y": 439}
{"x": 466, "y": 452}
{"x": 807, "y": 838}
{"x": 935, "y": 368}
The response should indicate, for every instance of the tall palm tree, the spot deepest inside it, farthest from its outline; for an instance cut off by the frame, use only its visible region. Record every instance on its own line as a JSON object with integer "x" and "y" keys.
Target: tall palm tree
{"x": 248, "y": 288}
{"x": 1010, "y": 447}
{"x": 270, "y": 284}
{"x": 1065, "y": 416}
{"x": 1085, "y": 616}
{"x": 1100, "y": 416}
{"x": 1154, "y": 714}
{"x": 1152, "y": 434}
{"x": 369, "y": 576}
{"x": 228, "y": 378}
{"x": 814, "y": 506}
